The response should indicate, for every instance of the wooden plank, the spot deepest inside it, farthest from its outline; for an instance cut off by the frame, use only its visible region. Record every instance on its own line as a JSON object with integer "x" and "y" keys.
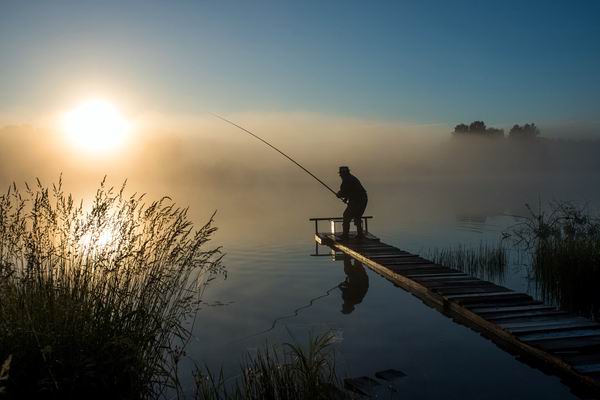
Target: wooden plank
{"x": 506, "y": 292}
{"x": 461, "y": 277}
{"x": 528, "y": 316}
{"x": 588, "y": 369}
{"x": 465, "y": 299}
{"x": 410, "y": 266}
{"x": 541, "y": 320}
{"x": 523, "y": 301}
{"x": 449, "y": 279}
{"x": 535, "y": 337}
{"x": 377, "y": 256}
{"x": 363, "y": 249}
{"x": 387, "y": 254}
{"x": 553, "y": 321}
{"x": 407, "y": 265}
{"x": 321, "y": 240}
{"x": 396, "y": 257}
{"x": 376, "y": 247}
{"x": 399, "y": 260}
{"x": 416, "y": 266}
{"x": 492, "y": 310}
{"x": 436, "y": 275}
{"x": 414, "y": 270}
{"x": 461, "y": 284}
{"x": 587, "y": 362}
{"x": 373, "y": 245}
{"x": 455, "y": 283}
{"x": 408, "y": 273}
{"x": 582, "y": 359}
{"x": 552, "y": 327}
{"x": 577, "y": 343}
{"x": 408, "y": 262}
{"x": 485, "y": 287}
{"x": 469, "y": 290}
{"x": 369, "y": 243}
{"x": 368, "y": 238}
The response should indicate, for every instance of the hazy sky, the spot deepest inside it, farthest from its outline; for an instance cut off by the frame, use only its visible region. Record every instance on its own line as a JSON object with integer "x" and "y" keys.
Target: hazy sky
{"x": 423, "y": 62}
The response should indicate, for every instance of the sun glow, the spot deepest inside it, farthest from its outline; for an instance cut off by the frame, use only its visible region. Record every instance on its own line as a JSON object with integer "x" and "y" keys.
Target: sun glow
{"x": 97, "y": 240}
{"x": 96, "y": 125}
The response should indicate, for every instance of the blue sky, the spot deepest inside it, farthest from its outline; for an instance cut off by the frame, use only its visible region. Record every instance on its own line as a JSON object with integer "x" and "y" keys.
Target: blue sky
{"x": 427, "y": 61}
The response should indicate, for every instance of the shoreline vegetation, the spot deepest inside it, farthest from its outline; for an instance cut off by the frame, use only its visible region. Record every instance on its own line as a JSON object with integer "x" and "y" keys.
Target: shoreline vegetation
{"x": 289, "y": 372}
{"x": 487, "y": 261}
{"x": 94, "y": 302}
{"x": 558, "y": 244}
{"x": 563, "y": 241}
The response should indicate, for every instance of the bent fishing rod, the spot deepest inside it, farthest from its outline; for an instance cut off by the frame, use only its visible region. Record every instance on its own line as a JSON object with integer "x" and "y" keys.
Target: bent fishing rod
{"x": 277, "y": 150}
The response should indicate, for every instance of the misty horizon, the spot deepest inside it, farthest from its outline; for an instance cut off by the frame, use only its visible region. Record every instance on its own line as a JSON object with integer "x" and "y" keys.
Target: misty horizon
{"x": 180, "y": 181}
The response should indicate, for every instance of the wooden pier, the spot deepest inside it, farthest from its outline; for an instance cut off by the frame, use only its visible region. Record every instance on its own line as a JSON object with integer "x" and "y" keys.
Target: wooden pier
{"x": 545, "y": 335}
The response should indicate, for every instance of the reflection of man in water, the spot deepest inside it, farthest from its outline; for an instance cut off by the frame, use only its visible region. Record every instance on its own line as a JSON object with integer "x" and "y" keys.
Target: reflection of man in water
{"x": 353, "y": 193}
{"x": 356, "y": 285}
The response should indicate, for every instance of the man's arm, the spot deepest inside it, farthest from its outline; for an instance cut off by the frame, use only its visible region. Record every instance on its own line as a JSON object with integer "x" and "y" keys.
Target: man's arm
{"x": 343, "y": 192}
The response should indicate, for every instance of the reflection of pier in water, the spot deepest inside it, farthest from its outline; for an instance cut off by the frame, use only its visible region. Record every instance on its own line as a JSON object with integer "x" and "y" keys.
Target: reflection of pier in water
{"x": 568, "y": 344}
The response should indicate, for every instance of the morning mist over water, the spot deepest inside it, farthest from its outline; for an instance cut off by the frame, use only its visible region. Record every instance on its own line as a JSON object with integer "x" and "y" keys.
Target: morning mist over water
{"x": 411, "y": 170}
{"x": 163, "y": 166}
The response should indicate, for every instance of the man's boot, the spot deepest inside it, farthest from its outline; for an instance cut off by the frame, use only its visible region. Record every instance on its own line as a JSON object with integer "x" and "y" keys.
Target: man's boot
{"x": 346, "y": 230}
{"x": 359, "y": 232}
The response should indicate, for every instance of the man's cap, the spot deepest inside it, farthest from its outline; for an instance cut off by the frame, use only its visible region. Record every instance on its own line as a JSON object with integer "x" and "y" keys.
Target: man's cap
{"x": 343, "y": 168}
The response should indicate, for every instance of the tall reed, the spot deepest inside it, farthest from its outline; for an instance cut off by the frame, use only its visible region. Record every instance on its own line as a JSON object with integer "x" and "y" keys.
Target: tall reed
{"x": 567, "y": 273}
{"x": 564, "y": 243}
{"x": 485, "y": 261}
{"x": 94, "y": 300}
{"x": 292, "y": 373}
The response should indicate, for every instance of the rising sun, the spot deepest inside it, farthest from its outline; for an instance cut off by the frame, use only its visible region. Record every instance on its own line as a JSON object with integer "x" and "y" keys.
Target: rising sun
{"x": 96, "y": 125}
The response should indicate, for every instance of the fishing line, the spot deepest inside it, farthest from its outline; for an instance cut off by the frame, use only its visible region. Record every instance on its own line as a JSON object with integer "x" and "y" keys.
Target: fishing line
{"x": 295, "y": 313}
{"x": 277, "y": 150}
{"x": 273, "y": 325}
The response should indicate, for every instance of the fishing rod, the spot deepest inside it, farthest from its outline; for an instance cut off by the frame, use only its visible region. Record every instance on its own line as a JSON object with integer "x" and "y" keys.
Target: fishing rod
{"x": 277, "y": 150}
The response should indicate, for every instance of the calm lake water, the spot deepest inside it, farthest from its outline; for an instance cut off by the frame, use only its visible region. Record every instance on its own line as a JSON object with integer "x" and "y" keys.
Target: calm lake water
{"x": 272, "y": 279}
{"x": 425, "y": 193}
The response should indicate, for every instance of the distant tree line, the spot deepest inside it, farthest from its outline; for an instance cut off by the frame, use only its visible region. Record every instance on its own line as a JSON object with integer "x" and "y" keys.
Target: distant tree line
{"x": 479, "y": 129}
{"x": 527, "y": 131}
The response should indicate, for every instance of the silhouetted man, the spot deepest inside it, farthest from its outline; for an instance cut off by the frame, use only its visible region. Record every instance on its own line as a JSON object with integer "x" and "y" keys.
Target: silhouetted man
{"x": 356, "y": 285}
{"x": 355, "y": 195}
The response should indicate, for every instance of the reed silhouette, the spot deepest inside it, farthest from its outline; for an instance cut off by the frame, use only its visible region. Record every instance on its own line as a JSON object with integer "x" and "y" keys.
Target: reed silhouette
{"x": 563, "y": 240}
{"x": 289, "y": 373}
{"x": 94, "y": 300}
{"x": 486, "y": 261}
